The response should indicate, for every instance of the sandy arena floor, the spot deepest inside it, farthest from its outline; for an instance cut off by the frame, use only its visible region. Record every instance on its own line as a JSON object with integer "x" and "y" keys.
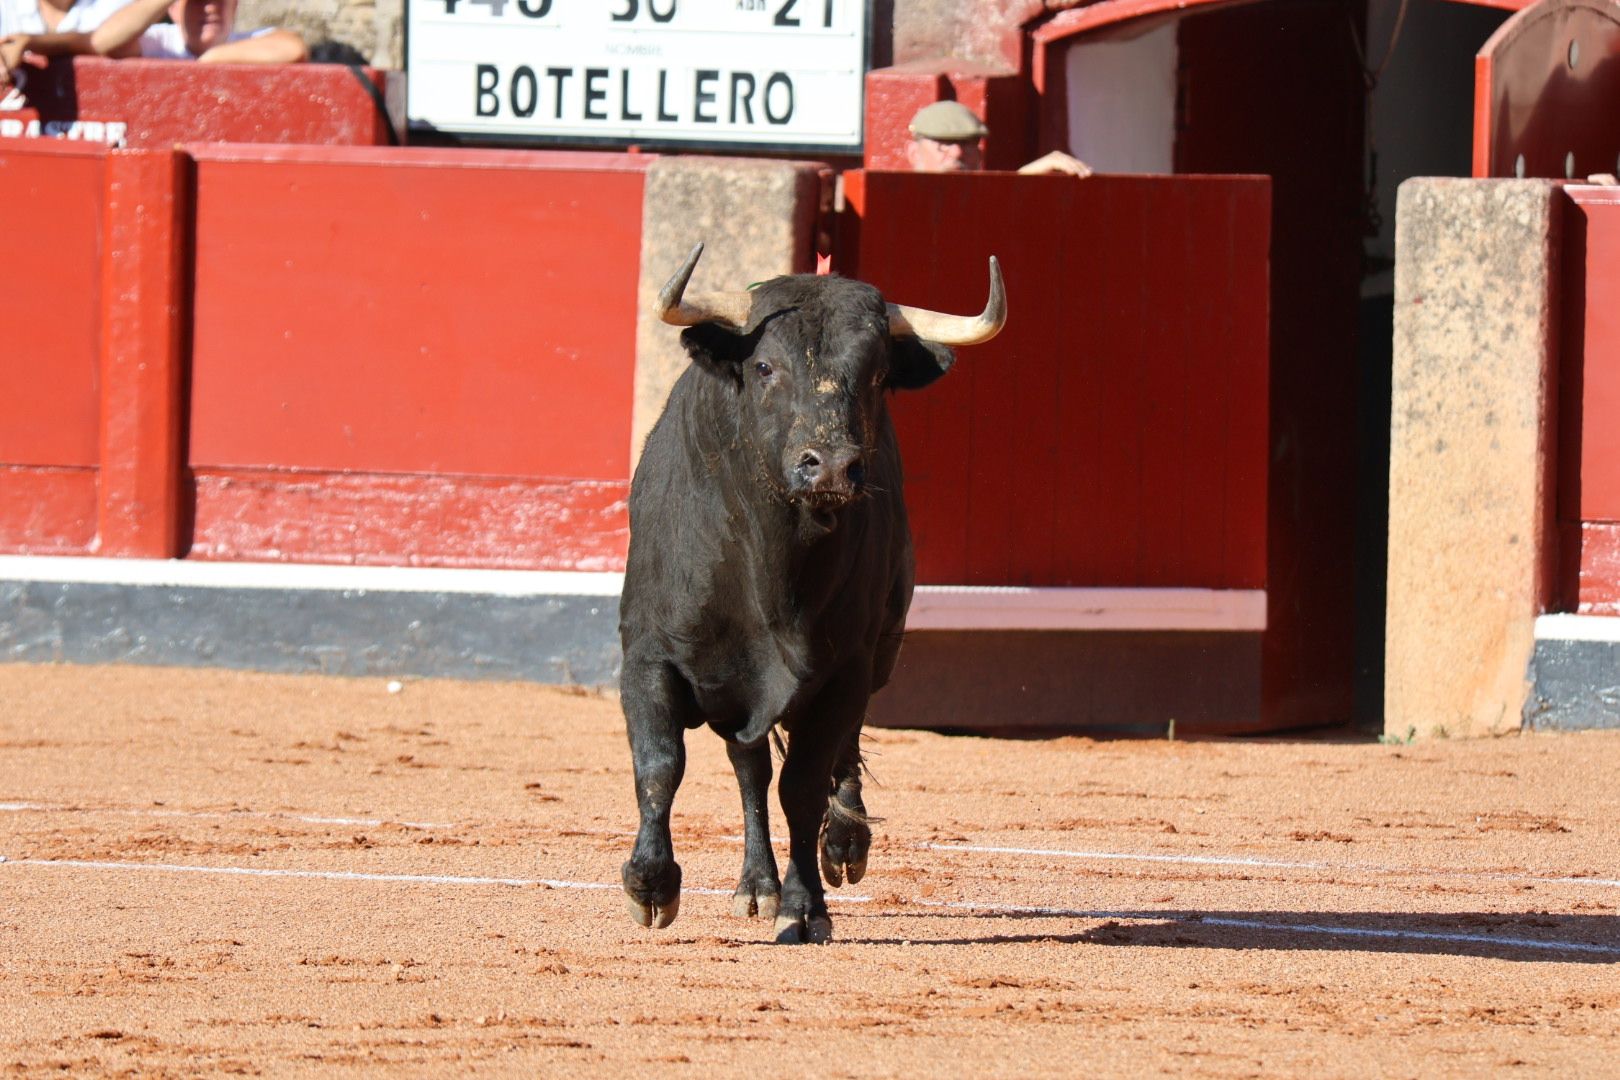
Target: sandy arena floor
{"x": 214, "y": 872}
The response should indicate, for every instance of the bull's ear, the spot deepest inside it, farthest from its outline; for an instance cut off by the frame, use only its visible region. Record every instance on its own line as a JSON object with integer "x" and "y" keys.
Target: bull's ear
{"x": 914, "y": 363}
{"x": 719, "y": 350}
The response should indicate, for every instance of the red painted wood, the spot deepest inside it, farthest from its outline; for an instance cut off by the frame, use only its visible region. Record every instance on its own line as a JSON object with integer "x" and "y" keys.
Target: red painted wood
{"x": 1590, "y": 552}
{"x": 392, "y": 312}
{"x": 51, "y": 303}
{"x": 1530, "y": 101}
{"x": 163, "y": 102}
{"x": 1589, "y": 417}
{"x": 371, "y": 519}
{"x": 141, "y": 418}
{"x": 47, "y": 511}
{"x": 1060, "y": 453}
{"x": 1588, "y": 424}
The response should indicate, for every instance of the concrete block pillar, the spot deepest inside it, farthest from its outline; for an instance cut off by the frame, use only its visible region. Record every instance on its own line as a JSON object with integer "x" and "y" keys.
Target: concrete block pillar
{"x": 756, "y": 219}
{"x": 1471, "y": 451}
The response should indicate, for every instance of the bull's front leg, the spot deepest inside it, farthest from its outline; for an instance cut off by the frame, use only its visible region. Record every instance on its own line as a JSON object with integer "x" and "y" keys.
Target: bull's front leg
{"x": 847, "y": 836}
{"x": 654, "y": 714}
{"x": 814, "y": 748}
{"x": 759, "y": 890}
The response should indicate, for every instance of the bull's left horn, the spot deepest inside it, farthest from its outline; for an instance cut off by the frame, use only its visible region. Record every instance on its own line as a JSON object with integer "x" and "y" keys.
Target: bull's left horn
{"x": 954, "y": 329}
{"x": 730, "y": 308}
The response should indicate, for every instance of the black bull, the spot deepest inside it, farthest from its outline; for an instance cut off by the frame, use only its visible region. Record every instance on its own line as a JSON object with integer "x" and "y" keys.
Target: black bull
{"x": 770, "y": 570}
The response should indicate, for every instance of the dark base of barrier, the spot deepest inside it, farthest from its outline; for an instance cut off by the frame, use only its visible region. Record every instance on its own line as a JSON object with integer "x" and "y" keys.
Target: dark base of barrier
{"x": 560, "y": 639}
{"x": 1112, "y": 682}
{"x": 1575, "y": 674}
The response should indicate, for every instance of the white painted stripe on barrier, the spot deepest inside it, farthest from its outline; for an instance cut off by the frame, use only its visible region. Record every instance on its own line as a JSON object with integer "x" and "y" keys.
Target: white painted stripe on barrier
{"x": 1578, "y": 628}
{"x": 374, "y": 823}
{"x": 933, "y": 607}
{"x": 1244, "y": 861}
{"x": 964, "y": 607}
{"x": 191, "y": 573}
{"x": 960, "y": 905}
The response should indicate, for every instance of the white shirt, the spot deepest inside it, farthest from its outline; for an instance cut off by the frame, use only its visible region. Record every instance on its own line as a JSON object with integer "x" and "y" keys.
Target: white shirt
{"x": 23, "y": 17}
{"x": 167, "y": 41}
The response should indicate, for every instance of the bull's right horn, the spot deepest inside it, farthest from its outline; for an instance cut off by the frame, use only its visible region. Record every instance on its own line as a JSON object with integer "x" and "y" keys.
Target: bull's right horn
{"x": 945, "y": 329}
{"x": 730, "y": 308}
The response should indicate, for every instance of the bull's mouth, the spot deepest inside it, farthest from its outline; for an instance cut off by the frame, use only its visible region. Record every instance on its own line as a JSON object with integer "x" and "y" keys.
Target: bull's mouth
{"x": 822, "y": 507}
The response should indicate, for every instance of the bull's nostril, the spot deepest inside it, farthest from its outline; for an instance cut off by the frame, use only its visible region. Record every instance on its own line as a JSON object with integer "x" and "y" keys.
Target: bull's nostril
{"x": 809, "y": 460}
{"x": 857, "y": 475}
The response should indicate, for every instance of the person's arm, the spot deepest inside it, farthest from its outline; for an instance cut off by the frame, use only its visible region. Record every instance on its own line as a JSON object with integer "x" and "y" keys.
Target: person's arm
{"x": 13, "y": 47}
{"x": 120, "y": 35}
{"x": 275, "y": 47}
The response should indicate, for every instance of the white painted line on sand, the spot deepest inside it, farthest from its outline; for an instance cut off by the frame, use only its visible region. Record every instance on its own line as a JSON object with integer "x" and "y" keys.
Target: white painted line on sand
{"x": 54, "y": 808}
{"x": 1242, "y": 861}
{"x": 961, "y": 905}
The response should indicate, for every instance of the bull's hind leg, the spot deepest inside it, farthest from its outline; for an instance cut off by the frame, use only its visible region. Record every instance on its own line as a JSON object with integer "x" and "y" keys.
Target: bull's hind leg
{"x": 759, "y": 890}
{"x": 655, "y": 707}
{"x": 847, "y": 835}
{"x": 814, "y": 749}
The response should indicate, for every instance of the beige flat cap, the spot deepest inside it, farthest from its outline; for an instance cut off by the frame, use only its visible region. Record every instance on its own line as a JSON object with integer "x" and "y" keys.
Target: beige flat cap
{"x": 947, "y": 121}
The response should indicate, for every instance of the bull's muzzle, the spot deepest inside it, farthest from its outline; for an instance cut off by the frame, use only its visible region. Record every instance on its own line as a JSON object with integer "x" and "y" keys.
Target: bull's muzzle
{"x": 827, "y": 477}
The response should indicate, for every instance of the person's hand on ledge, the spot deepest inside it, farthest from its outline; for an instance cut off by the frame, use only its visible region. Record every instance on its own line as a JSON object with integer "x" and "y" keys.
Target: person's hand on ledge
{"x": 1057, "y": 162}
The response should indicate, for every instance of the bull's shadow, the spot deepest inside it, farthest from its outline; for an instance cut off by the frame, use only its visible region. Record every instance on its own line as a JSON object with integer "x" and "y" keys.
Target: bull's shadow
{"x": 1527, "y": 938}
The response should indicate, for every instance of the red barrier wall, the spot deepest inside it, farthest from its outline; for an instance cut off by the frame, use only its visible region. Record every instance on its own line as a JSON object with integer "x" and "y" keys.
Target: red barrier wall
{"x": 89, "y": 384}
{"x": 158, "y": 103}
{"x": 414, "y": 356}
{"x": 1115, "y": 433}
{"x": 1589, "y": 403}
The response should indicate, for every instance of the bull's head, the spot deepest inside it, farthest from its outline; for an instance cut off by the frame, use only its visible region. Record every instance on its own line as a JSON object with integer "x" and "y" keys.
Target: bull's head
{"x": 809, "y": 359}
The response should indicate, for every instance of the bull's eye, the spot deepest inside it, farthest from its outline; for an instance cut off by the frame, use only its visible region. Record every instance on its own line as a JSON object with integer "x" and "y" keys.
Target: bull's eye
{"x": 763, "y": 370}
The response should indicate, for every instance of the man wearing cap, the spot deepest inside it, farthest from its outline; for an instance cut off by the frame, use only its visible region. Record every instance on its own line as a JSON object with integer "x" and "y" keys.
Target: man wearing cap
{"x": 945, "y": 138}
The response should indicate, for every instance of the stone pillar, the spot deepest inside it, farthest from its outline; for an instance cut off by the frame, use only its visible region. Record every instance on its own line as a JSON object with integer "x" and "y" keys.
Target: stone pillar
{"x": 756, "y": 219}
{"x": 1471, "y": 449}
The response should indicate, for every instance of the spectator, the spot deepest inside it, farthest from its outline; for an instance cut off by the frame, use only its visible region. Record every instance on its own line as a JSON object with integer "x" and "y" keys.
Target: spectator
{"x": 200, "y": 30}
{"x": 23, "y": 21}
{"x": 945, "y": 138}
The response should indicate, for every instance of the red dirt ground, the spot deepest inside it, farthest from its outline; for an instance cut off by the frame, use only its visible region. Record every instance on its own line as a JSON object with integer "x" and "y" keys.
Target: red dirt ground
{"x": 1440, "y": 909}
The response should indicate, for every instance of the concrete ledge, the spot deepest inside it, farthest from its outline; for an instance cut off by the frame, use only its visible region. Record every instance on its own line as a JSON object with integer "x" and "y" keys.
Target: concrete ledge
{"x": 1470, "y": 529}
{"x": 1574, "y": 674}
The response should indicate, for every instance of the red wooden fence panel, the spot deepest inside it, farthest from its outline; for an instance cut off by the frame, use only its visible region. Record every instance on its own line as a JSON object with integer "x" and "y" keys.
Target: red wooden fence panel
{"x": 1115, "y": 433}
{"x": 50, "y": 364}
{"x": 414, "y": 356}
{"x": 1589, "y": 403}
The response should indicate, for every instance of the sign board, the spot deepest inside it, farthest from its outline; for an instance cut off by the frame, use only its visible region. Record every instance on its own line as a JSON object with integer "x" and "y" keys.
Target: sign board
{"x": 778, "y": 74}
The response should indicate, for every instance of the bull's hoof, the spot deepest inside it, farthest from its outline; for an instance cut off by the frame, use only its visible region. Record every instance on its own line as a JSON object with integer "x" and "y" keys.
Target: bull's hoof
{"x": 653, "y": 916}
{"x": 653, "y": 899}
{"x": 844, "y": 847}
{"x": 751, "y": 902}
{"x": 803, "y": 930}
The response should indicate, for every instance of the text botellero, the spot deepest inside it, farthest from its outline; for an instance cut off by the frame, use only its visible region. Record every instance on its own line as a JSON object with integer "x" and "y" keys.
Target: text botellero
{"x": 625, "y": 95}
